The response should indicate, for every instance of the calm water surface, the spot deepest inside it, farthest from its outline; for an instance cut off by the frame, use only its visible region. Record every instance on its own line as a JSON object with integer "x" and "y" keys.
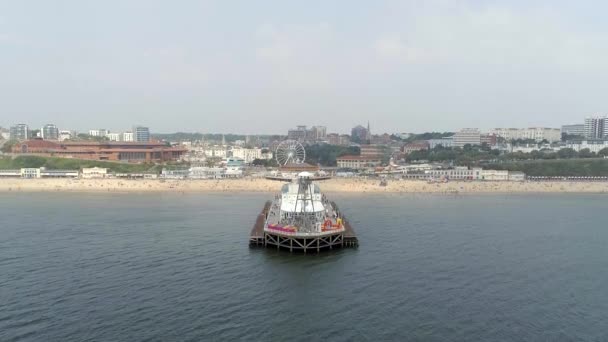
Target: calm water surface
{"x": 170, "y": 267}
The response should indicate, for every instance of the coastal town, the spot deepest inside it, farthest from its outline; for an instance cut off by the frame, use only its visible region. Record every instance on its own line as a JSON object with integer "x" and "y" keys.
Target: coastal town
{"x": 373, "y": 160}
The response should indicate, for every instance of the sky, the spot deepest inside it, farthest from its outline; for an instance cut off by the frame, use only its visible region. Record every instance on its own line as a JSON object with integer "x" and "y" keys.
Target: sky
{"x": 265, "y": 66}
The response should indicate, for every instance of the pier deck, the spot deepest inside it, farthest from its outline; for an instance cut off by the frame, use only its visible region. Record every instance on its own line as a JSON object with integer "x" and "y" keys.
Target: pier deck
{"x": 259, "y": 238}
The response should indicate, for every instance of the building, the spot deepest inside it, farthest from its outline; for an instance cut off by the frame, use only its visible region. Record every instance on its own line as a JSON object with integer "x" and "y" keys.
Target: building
{"x": 298, "y": 134}
{"x": 490, "y": 139}
{"x": 358, "y": 162}
{"x": 359, "y": 133}
{"x": 141, "y": 134}
{"x": 374, "y": 151}
{"x": 30, "y": 173}
{"x": 542, "y": 133}
{"x": 494, "y": 175}
{"x": 113, "y": 136}
{"x": 50, "y": 132}
{"x": 94, "y": 172}
{"x": 19, "y": 132}
{"x": 467, "y": 136}
{"x": 127, "y": 137}
{"x": 10, "y": 173}
{"x": 534, "y": 133}
{"x": 578, "y": 129}
{"x": 66, "y": 135}
{"x": 517, "y": 176}
{"x": 248, "y": 154}
{"x": 333, "y": 139}
{"x": 215, "y": 151}
{"x": 445, "y": 142}
{"x": 5, "y": 133}
{"x": 595, "y": 127}
{"x": 592, "y": 145}
{"x": 98, "y": 132}
{"x": 114, "y": 151}
{"x": 460, "y": 172}
{"x": 415, "y": 146}
{"x": 318, "y": 132}
{"x": 384, "y": 139}
{"x": 44, "y": 173}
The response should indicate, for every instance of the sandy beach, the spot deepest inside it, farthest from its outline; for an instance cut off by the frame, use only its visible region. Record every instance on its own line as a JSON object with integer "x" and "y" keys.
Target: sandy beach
{"x": 335, "y": 185}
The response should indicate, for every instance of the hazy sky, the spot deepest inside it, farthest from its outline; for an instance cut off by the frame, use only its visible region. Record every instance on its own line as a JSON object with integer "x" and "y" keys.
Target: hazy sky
{"x": 265, "y": 66}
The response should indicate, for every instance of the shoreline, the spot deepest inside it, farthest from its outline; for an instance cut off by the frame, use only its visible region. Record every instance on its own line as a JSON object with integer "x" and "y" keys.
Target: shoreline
{"x": 335, "y": 185}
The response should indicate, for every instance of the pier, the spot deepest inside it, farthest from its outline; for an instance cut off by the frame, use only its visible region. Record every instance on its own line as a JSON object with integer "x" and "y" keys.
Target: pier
{"x": 297, "y": 242}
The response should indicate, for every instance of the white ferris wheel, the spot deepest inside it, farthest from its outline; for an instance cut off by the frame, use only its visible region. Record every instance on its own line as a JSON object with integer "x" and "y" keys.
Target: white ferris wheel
{"x": 290, "y": 152}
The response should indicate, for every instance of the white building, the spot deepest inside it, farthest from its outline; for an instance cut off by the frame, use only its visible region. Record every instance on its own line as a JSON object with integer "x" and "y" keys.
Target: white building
{"x": 357, "y": 162}
{"x": 66, "y": 135}
{"x": 592, "y": 145}
{"x": 460, "y": 172}
{"x": 94, "y": 172}
{"x": 535, "y": 133}
{"x": 445, "y": 142}
{"x": 250, "y": 154}
{"x": 127, "y": 137}
{"x": 215, "y": 151}
{"x": 467, "y": 136}
{"x": 30, "y": 173}
{"x": 98, "y": 132}
{"x": 113, "y": 136}
{"x": 495, "y": 175}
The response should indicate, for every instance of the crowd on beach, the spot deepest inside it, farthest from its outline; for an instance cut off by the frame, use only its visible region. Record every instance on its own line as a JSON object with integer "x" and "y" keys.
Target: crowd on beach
{"x": 347, "y": 185}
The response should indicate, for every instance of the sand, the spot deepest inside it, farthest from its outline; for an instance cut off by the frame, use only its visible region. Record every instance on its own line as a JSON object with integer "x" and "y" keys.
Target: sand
{"x": 336, "y": 185}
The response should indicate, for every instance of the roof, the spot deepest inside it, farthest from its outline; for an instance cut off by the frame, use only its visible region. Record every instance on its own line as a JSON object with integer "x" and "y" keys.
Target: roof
{"x": 351, "y": 157}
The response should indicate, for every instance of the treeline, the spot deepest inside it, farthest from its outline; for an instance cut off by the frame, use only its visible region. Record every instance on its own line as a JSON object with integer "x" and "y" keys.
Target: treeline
{"x": 326, "y": 155}
{"x": 461, "y": 156}
{"x": 53, "y": 163}
{"x": 472, "y": 154}
{"x": 422, "y": 136}
{"x": 556, "y": 168}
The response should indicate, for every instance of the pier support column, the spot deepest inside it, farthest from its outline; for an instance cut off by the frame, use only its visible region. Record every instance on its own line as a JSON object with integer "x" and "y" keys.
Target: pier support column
{"x": 291, "y": 245}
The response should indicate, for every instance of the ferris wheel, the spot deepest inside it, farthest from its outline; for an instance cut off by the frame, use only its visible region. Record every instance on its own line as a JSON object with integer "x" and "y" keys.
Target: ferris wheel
{"x": 290, "y": 152}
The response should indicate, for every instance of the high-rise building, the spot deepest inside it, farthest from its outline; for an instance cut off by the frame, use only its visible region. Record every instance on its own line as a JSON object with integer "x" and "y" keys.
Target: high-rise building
{"x": 19, "y": 132}
{"x": 141, "y": 134}
{"x": 299, "y": 134}
{"x": 50, "y": 132}
{"x": 467, "y": 136}
{"x": 578, "y": 129}
{"x": 595, "y": 127}
{"x": 359, "y": 133}
{"x": 319, "y": 132}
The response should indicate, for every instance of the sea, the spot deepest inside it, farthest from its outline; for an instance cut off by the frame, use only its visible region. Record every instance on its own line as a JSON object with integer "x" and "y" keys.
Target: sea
{"x": 177, "y": 267}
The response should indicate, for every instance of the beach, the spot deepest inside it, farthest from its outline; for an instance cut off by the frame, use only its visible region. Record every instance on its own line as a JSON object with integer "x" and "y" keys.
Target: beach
{"x": 335, "y": 185}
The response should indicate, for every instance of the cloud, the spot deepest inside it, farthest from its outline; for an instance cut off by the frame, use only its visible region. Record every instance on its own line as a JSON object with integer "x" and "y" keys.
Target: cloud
{"x": 393, "y": 48}
{"x": 492, "y": 35}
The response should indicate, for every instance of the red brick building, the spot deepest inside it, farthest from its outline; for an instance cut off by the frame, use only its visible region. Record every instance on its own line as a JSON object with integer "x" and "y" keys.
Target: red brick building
{"x": 112, "y": 151}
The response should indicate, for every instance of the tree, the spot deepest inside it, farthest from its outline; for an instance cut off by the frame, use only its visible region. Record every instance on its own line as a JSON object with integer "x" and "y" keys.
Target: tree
{"x": 603, "y": 152}
{"x": 586, "y": 153}
{"x": 565, "y": 153}
{"x": 8, "y": 146}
